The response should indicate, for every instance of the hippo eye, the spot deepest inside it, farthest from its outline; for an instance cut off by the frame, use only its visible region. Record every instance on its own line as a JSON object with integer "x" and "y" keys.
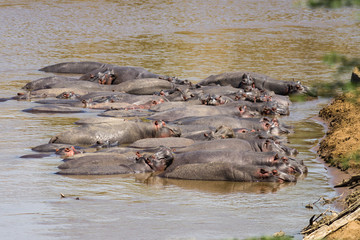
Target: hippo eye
{"x": 275, "y": 172}
{"x": 263, "y": 171}
{"x": 285, "y": 159}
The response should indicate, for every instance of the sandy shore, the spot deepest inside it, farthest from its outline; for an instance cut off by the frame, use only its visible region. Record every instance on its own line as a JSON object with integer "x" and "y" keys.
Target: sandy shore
{"x": 340, "y": 152}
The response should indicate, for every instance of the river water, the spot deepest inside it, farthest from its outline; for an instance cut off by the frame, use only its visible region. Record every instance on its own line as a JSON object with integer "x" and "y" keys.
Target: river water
{"x": 189, "y": 39}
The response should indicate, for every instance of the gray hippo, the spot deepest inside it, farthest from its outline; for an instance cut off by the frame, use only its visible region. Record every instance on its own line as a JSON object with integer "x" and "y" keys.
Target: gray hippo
{"x": 256, "y": 145}
{"x": 120, "y": 132}
{"x": 194, "y": 111}
{"x": 239, "y": 155}
{"x": 270, "y": 125}
{"x": 109, "y": 163}
{"x": 227, "y": 171}
{"x": 228, "y": 165}
{"x": 100, "y": 72}
{"x": 143, "y": 86}
{"x": 260, "y": 81}
{"x": 49, "y": 108}
{"x": 264, "y": 108}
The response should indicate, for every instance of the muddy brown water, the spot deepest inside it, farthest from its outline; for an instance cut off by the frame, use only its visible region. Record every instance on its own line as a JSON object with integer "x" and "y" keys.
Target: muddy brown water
{"x": 189, "y": 39}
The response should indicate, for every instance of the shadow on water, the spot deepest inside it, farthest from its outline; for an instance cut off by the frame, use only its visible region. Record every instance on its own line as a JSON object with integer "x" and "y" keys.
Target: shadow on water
{"x": 213, "y": 187}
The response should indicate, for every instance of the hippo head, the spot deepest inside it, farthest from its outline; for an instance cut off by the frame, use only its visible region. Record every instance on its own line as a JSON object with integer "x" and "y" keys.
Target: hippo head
{"x": 297, "y": 87}
{"x": 106, "y": 77}
{"x": 276, "y": 129}
{"x": 291, "y": 166}
{"x": 271, "y": 174}
{"x": 246, "y": 80}
{"x": 66, "y": 152}
{"x": 66, "y": 95}
{"x": 221, "y": 132}
{"x": 273, "y": 108}
{"x": 277, "y": 146}
{"x": 161, "y": 159}
{"x": 163, "y": 130}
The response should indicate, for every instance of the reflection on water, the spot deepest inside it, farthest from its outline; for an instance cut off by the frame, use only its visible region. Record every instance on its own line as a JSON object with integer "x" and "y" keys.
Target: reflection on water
{"x": 186, "y": 39}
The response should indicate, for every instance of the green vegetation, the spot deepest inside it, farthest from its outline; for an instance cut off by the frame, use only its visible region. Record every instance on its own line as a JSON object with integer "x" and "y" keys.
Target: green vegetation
{"x": 352, "y": 160}
{"x": 343, "y": 65}
{"x": 333, "y": 3}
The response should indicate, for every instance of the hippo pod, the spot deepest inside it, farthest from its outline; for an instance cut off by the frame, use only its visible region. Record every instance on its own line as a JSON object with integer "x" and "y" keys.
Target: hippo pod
{"x": 230, "y": 165}
{"x": 121, "y": 132}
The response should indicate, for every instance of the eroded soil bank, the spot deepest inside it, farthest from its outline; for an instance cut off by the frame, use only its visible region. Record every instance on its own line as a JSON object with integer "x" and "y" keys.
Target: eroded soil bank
{"x": 340, "y": 148}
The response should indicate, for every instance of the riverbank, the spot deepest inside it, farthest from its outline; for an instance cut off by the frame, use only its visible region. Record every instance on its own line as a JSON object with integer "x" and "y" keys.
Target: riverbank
{"x": 340, "y": 149}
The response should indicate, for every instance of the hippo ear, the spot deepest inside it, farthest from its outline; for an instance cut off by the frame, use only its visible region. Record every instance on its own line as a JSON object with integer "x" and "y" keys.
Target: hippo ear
{"x": 263, "y": 171}
{"x": 267, "y": 144}
{"x": 276, "y": 157}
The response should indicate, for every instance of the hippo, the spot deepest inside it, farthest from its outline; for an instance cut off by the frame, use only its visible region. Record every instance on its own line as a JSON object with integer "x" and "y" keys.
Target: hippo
{"x": 226, "y": 171}
{"x": 47, "y": 82}
{"x": 53, "y": 147}
{"x": 231, "y": 155}
{"x": 120, "y": 97}
{"x": 73, "y": 67}
{"x": 61, "y": 93}
{"x": 228, "y": 165}
{"x": 36, "y": 155}
{"x": 256, "y": 145}
{"x": 193, "y": 111}
{"x": 122, "y": 132}
{"x": 224, "y": 131}
{"x": 119, "y": 74}
{"x": 171, "y": 142}
{"x": 109, "y": 163}
{"x": 264, "y": 108}
{"x": 143, "y": 86}
{"x": 100, "y": 72}
{"x": 216, "y": 121}
{"x": 50, "y": 108}
{"x": 260, "y": 81}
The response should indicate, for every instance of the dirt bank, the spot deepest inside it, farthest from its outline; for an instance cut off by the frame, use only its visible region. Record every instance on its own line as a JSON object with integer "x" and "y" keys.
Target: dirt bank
{"x": 340, "y": 148}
